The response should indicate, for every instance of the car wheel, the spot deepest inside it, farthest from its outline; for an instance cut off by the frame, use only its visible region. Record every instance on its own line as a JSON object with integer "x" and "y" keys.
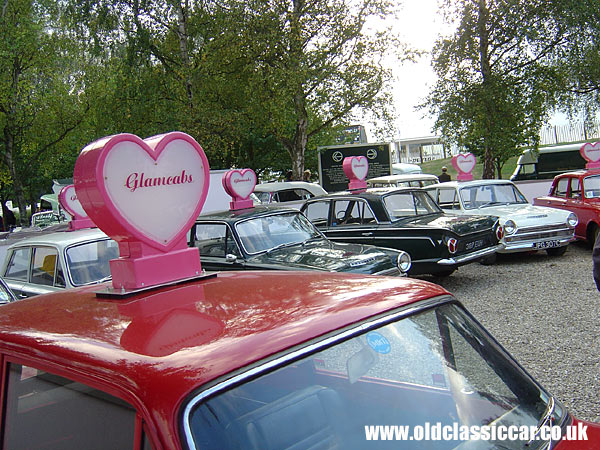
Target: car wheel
{"x": 593, "y": 234}
{"x": 557, "y": 251}
{"x": 444, "y": 273}
{"x": 489, "y": 260}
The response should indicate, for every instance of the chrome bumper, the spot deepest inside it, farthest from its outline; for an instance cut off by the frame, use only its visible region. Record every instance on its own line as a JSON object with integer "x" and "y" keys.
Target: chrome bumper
{"x": 391, "y": 273}
{"x": 524, "y": 246}
{"x": 470, "y": 256}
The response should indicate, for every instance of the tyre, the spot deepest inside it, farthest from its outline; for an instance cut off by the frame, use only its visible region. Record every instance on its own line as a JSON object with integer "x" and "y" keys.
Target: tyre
{"x": 489, "y": 260}
{"x": 557, "y": 251}
{"x": 444, "y": 273}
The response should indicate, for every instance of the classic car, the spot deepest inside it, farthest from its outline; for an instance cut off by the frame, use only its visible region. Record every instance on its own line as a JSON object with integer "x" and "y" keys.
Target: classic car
{"x": 526, "y": 227}
{"x": 54, "y": 261}
{"x": 579, "y": 193}
{"x": 266, "y": 237}
{"x": 406, "y": 219}
{"x": 265, "y": 361}
{"x": 407, "y": 180}
{"x": 287, "y": 191}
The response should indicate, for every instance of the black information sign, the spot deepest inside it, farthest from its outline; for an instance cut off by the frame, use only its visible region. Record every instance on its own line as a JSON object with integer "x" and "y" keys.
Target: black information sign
{"x": 333, "y": 178}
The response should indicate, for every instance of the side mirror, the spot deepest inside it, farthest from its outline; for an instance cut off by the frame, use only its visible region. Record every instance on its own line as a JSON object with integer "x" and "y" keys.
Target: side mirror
{"x": 230, "y": 258}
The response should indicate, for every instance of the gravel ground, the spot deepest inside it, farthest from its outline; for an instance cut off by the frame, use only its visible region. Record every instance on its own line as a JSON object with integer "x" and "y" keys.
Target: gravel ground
{"x": 545, "y": 312}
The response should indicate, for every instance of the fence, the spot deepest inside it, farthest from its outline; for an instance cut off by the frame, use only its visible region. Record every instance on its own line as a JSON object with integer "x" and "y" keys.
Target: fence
{"x": 573, "y": 132}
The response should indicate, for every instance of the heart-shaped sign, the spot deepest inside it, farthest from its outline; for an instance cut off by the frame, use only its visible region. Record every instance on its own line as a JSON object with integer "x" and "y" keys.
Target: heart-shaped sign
{"x": 70, "y": 203}
{"x": 239, "y": 183}
{"x": 464, "y": 163}
{"x": 591, "y": 153}
{"x": 149, "y": 190}
{"x": 356, "y": 167}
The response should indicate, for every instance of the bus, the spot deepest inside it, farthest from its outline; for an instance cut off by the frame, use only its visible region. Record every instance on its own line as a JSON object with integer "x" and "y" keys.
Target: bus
{"x": 547, "y": 162}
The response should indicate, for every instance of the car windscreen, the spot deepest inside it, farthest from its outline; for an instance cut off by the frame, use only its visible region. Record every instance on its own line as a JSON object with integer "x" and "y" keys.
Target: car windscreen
{"x": 88, "y": 263}
{"x": 474, "y": 197}
{"x": 264, "y": 233}
{"x": 400, "y": 205}
{"x": 591, "y": 186}
{"x": 434, "y": 367}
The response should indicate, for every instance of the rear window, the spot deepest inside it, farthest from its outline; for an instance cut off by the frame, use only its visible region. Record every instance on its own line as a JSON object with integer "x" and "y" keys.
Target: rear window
{"x": 89, "y": 262}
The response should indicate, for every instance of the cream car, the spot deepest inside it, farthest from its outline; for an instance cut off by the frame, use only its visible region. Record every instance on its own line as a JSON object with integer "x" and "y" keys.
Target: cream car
{"x": 406, "y": 180}
{"x": 55, "y": 261}
{"x": 526, "y": 227}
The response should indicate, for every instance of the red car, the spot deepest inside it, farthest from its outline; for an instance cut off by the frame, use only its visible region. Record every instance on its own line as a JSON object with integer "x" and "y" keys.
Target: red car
{"x": 265, "y": 360}
{"x": 578, "y": 192}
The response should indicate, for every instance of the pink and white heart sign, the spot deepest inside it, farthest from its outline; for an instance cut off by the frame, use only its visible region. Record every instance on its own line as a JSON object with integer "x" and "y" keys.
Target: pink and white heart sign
{"x": 356, "y": 169}
{"x": 464, "y": 163}
{"x": 146, "y": 195}
{"x": 239, "y": 184}
{"x": 591, "y": 153}
{"x": 68, "y": 200}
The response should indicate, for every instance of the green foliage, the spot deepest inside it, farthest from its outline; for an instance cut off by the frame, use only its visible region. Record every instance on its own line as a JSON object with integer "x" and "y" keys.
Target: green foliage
{"x": 496, "y": 77}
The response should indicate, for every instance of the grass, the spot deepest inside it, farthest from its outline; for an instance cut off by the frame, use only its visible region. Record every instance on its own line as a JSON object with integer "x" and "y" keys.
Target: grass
{"x": 435, "y": 167}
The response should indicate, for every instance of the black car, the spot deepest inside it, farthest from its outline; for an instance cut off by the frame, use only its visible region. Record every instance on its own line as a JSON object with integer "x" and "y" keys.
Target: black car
{"x": 266, "y": 237}
{"x": 409, "y": 220}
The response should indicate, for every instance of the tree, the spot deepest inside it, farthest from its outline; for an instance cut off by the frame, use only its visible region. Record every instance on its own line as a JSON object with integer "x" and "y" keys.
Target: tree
{"x": 496, "y": 81}
{"x": 312, "y": 64}
{"x": 39, "y": 102}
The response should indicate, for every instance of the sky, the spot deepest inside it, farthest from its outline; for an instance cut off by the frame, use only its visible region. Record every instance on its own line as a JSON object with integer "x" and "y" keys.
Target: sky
{"x": 419, "y": 25}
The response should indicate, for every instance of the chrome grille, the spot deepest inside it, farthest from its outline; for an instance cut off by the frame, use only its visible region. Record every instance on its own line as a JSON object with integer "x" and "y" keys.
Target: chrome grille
{"x": 536, "y": 233}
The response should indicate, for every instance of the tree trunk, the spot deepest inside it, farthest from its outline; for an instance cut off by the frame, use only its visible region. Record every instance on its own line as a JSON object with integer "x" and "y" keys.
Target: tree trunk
{"x": 12, "y": 169}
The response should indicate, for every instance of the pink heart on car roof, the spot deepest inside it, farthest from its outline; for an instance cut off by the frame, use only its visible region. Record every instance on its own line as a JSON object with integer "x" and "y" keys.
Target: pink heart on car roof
{"x": 239, "y": 184}
{"x": 149, "y": 190}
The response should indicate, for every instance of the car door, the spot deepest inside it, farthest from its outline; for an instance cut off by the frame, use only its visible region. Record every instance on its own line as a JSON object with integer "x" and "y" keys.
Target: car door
{"x": 217, "y": 246}
{"x": 35, "y": 270}
{"x": 575, "y": 203}
{"x": 16, "y": 272}
{"x": 558, "y": 195}
{"x": 352, "y": 220}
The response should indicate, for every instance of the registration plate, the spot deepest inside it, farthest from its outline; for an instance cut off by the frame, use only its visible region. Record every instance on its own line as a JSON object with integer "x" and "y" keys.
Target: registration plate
{"x": 546, "y": 244}
{"x": 474, "y": 245}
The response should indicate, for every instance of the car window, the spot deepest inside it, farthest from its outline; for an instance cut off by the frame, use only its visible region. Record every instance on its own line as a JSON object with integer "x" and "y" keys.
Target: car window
{"x": 474, "y": 197}
{"x": 591, "y": 186}
{"x": 215, "y": 239}
{"x": 5, "y": 295}
{"x": 264, "y": 233}
{"x": 18, "y": 267}
{"x": 47, "y": 411}
{"x": 264, "y": 197}
{"x": 352, "y": 212}
{"x": 409, "y": 204}
{"x": 437, "y": 366}
{"x": 575, "y": 189}
{"x": 45, "y": 260}
{"x": 561, "y": 187}
{"x": 290, "y": 195}
{"x": 89, "y": 262}
{"x": 317, "y": 213}
{"x": 447, "y": 198}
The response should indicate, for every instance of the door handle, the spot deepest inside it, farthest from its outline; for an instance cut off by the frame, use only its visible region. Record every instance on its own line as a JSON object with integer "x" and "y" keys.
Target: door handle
{"x": 370, "y": 233}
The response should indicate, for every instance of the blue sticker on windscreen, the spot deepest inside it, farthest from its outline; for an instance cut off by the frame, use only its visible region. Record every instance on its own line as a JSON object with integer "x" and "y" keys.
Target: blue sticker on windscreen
{"x": 378, "y": 342}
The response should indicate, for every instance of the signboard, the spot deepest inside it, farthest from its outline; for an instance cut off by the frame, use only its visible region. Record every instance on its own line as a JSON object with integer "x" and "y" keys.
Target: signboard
{"x": 331, "y": 160}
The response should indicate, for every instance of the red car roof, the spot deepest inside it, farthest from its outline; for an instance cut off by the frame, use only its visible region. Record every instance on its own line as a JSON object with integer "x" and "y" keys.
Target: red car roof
{"x": 155, "y": 348}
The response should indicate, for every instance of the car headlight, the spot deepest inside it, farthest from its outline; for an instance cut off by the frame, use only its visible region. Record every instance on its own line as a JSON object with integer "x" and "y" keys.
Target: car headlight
{"x": 404, "y": 262}
{"x": 509, "y": 227}
{"x": 572, "y": 220}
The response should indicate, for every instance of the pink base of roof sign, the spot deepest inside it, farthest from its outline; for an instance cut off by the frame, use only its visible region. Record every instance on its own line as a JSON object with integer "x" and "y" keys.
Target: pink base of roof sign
{"x": 464, "y": 164}
{"x": 591, "y": 153}
{"x": 239, "y": 184}
{"x": 146, "y": 195}
{"x": 69, "y": 202}
{"x": 356, "y": 169}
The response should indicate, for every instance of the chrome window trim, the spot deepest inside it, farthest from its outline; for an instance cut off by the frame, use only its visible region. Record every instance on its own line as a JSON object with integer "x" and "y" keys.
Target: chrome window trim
{"x": 347, "y": 333}
{"x": 68, "y": 266}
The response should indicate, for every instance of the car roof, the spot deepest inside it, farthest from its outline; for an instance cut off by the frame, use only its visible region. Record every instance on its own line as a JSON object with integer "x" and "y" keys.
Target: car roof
{"x": 280, "y": 186}
{"x": 239, "y": 214}
{"x": 462, "y": 184}
{"x": 180, "y": 337}
{"x": 404, "y": 177}
{"x": 62, "y": 238}
{"x": 369, "y": 194}
{"x": 580, "y": 173}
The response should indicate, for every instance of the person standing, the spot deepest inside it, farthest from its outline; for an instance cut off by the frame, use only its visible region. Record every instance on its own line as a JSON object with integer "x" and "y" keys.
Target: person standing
{"x": 444, "y": 176}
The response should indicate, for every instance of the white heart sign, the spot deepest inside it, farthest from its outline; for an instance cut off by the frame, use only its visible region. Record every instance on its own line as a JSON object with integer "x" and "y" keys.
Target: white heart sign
{"x": 464, "y": 163}
{"x": 148, "y": 190}
{"x": 356, "y": 167}
{"x": 69, "y": 202}
{"x": 591, "y": 152}
{"x": 239, "y": 183}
